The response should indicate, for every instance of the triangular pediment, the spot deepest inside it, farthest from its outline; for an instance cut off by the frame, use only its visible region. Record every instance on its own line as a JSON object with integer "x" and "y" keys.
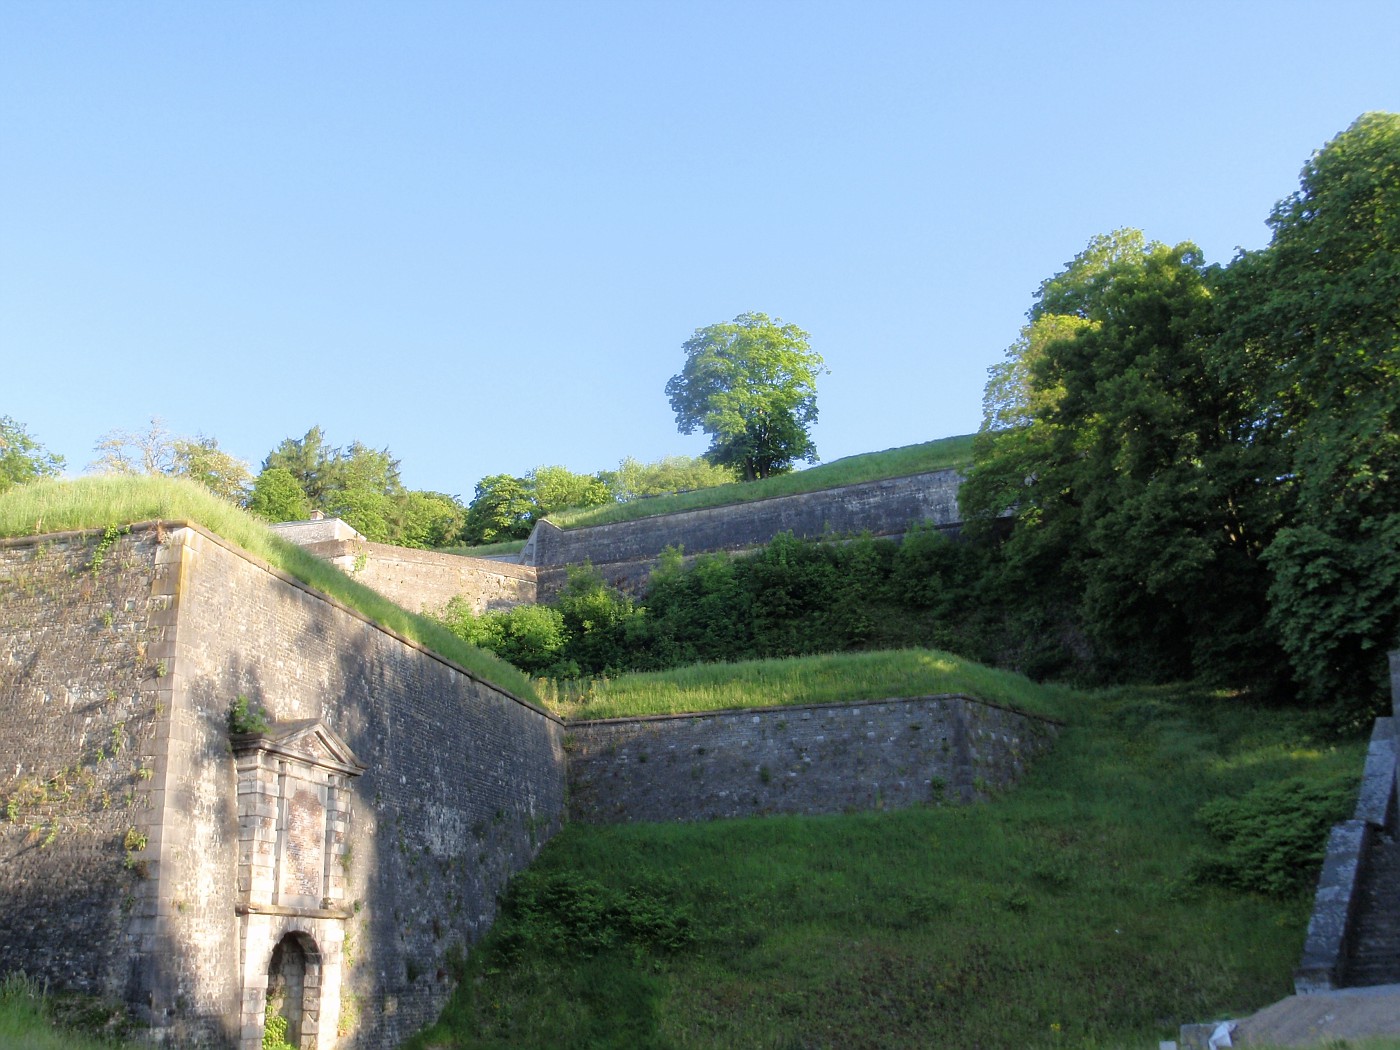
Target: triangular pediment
{"x": 309, "y": 740}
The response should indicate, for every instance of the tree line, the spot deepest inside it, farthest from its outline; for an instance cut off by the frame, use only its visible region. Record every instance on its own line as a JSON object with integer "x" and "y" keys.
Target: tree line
{"x": 1184, "y": 471}
{"x": 360, "y": 484}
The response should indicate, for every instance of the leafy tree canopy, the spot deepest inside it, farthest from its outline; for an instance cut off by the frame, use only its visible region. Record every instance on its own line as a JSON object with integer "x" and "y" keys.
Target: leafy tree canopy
{"x": 358, "y": 484}
{"x": 751, "y": 385}
{"x": 278, "y": 496}
{"x": 1202, "y": 462}
{"x": 156, "y": 450}
{"x": 22, "y": 458}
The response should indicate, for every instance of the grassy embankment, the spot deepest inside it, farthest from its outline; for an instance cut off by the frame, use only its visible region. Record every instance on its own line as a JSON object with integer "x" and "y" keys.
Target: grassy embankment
{"x": 92, "y": 503}
{"x": 871, "y": 466}
{"x": 831, "y": 678}
{"x": 1071, "y": 912}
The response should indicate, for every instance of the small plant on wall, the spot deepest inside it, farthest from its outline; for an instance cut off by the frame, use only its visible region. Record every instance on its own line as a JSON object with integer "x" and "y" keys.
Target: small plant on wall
{"x": 243, "y": 717}
{"x": 275, "y": 1026}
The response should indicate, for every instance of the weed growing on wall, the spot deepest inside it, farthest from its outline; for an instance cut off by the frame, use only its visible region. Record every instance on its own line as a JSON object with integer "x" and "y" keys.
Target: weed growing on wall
{"x": 243, "y": 717}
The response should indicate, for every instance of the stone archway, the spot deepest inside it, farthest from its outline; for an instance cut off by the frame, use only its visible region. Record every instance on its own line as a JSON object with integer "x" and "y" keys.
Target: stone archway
{"x": 294, "y": 990}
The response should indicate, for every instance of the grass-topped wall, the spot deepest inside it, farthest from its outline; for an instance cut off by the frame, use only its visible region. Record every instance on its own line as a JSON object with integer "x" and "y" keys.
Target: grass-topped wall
{"x": 116, "y": 502}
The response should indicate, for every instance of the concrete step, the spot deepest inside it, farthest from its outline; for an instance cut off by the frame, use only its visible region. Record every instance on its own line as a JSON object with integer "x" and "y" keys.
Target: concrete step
{"x": 1307, "y": 1020}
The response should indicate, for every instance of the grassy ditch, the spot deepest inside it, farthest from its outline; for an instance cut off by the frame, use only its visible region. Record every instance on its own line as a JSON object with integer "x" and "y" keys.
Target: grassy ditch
{"x": 831, "y": 678}
{"x": 871, "y": 466}
{"x": 90, "y": 503}
{"x": 1092, "y": 906}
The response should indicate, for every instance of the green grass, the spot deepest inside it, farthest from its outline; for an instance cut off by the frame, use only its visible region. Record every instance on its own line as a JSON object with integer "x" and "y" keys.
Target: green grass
{"x": 872, "y": 466}
{"x": 832, "y": 678}
{"x": 31, "y": 1019}
{"x": 1063, "y": 914}
{"x": 95, "y": 502}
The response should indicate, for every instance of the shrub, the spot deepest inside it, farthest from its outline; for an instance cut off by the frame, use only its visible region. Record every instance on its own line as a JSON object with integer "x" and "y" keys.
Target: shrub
{"x": 1272, "y": 839}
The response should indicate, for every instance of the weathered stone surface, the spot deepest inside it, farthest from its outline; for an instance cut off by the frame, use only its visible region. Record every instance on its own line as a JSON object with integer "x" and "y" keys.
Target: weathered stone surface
{"x": 624, "y": 552}
{"x": 79, "y": 717}
{"x": 826, "y": 758}
{"x": 1354, "y": 934}
{"x": 463, "y": 784}
{"x": 425, "y": 581}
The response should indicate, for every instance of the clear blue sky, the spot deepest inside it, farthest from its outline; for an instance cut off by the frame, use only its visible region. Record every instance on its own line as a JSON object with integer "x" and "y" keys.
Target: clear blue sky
{"x": 478, "y": 233}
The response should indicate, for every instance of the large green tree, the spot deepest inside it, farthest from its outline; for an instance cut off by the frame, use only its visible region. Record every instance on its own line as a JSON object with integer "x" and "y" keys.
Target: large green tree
{"x": 1107, "y": 440}
{"x": 22, "y": 458}
{"x": 358, "y": 484}
{"x": 751, "y": 385}
{"x": 1314, "y": 335}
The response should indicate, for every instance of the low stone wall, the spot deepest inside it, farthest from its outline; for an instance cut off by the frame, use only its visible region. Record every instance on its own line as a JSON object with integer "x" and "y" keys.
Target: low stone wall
{"x": 425, "y": 581}
{"x": 825, "y": 758}
{"x": 367, "y": 831}
{"x": 1332, "y": 932}
{"x": 625, "y": 552}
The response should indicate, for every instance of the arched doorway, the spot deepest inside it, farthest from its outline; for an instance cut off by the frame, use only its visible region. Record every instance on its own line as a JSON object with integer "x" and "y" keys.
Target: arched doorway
{"x": 293, "y": 992}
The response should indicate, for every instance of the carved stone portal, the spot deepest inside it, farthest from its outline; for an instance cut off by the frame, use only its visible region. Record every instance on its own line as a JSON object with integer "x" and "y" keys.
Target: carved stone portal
{"x": 293, "y": 851}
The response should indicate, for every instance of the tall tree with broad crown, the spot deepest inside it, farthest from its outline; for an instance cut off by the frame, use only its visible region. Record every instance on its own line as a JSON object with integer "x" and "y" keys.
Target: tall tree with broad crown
{"x": 751, "y": 385}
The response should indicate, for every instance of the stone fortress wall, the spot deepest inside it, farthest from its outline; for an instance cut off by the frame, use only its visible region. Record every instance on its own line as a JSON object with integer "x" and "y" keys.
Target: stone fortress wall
{"x": 625, "y": 552}
{"x": 340, "y": 855}
{"x": 820, "y": 758}
{"x": 418, "y": 580}
{"x": 350, "y": 848}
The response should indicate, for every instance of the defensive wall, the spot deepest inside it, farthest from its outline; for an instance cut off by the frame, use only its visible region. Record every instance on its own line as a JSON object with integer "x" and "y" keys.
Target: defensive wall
{"x": 418, "y": 580}
{"x": 336, "y": 857}
{"x": 340, "y": 854}
{"x": 824, "y": 758}
{"x": 625, "y": 552}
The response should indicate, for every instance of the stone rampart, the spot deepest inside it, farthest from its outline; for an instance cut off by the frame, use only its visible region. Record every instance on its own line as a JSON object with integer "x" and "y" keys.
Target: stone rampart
{"x": 625, "y": 552}
{"x": 344, "y": 853}
{"x": 80, "y": 710}
{"x": 825, "y": 758}
{"x": 425, "y": 581}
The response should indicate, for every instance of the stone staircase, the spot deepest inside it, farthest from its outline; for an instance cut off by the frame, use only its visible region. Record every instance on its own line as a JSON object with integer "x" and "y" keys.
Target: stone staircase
{"x": 1375, "y": 951}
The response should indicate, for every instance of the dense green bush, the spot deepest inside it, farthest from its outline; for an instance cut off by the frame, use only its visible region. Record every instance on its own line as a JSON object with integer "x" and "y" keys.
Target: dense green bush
{"x": 792, "y": 598}
{"x": 567, "y": 914}
{"x": 1272, "y": 839}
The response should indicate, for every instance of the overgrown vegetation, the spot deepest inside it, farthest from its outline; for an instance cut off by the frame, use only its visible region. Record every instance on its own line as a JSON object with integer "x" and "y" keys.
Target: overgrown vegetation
{"x": 1201, "y": 461}
{"x": 33, "y": 1018}
{"x": 1071, "y": 912}
{"x": 828, "y": 678}
{"x": 793, "y": 597}
{"x": 97, "y": 502}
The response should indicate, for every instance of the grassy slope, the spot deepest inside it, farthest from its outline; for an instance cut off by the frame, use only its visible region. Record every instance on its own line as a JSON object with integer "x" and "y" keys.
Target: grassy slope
{"x": 87, "y": 503}
{"x": 872, "y": 466}
{"x": 1063, "y": 914}
{"x": 31, "y": 1019}
{"x": 803, "y": 680}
